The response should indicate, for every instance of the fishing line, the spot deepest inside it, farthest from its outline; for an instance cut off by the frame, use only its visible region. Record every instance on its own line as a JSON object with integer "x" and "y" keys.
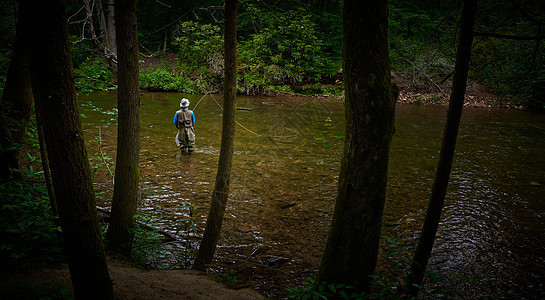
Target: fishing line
{"x": 195, "y": 107}
{"x": 235, "y": 120}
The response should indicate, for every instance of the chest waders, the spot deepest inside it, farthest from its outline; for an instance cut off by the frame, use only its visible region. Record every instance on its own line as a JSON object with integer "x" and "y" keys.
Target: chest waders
{"x": 186, "y": 134}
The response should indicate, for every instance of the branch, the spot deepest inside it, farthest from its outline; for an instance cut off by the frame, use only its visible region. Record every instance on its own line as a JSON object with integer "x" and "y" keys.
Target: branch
{"x": 163, "y": 4}
{"x": 525, "y": 13}
{"x": 160, "y": 29}
{"x": 510, "y": 37}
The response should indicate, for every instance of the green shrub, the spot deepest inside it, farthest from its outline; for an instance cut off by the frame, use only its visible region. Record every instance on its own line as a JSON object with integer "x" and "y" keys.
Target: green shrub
{"x": 93, "y": 75}
{"x": 147, "y": 249}
{"x": 29, "y": 231}
{"x": 513, "y": 70}
{"x": 286, "y": 50}
{"x": 163, "y": 80}
{"x": 199, "y": 47}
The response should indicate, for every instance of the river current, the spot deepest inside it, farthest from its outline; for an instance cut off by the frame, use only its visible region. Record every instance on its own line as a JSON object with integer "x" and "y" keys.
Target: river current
{"x": 284, "y": 179}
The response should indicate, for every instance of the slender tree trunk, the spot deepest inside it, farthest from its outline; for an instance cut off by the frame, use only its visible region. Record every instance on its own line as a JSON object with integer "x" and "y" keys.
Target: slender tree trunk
{"x": 127, "y": 171}
{"x": 223, "y": 177}
{"x": 351, "y": 251}
{"x": 16, "y": 103}
{"x": 45, "y": 165}
{"x": 111, "y": 26}
{"x": 91, "y": 24}
{"x": 54, "y": 93}
{"x": 102, "y": 43}
{"x": 450, "y": 133}
{"x": 102, "y": 23}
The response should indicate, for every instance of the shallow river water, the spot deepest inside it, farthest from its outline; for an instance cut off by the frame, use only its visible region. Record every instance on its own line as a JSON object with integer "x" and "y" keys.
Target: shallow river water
{"x": 284, "y": 178}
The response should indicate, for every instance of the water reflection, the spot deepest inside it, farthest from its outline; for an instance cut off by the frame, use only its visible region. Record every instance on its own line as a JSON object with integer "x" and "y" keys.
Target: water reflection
{"x": 284, "y": 179}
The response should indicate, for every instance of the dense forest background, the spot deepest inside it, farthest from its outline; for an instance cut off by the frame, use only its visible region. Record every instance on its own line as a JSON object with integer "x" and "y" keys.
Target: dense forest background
{"x": 294, "y": 46}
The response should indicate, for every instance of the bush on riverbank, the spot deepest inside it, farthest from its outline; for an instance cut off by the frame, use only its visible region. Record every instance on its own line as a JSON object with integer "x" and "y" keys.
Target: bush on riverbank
{"x": 294, "y": 47}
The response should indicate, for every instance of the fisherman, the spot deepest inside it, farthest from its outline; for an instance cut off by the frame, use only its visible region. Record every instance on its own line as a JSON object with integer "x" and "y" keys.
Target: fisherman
{"x": 184, "y": 120}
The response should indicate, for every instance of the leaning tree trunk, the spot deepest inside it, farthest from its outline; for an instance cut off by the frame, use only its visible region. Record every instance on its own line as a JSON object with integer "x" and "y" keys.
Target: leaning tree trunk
{"x": 54, "y": 93}
{"x": 444, "y": 166}
{"x": 16, "y": 103}
{"x": 351, "y": 251}
{"x": 45, "y": 165}
{"x": 127, "y": 171}
{"x": 221, "y": 187}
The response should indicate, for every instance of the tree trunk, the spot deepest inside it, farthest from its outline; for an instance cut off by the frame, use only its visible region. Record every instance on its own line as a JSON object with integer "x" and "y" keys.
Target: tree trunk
{"x": 351, "y": 251}
{"x": 221, "y": 188}
{"x": 450, "y": 133}
{"x": 16, "y": 103}
{"x": 54, "y": 93}
{"x": 103, "y": 42}
{"x": 45, "y": 165}
{"x": 111, "y": 27}
{"x": 127, "y": 171}
{"x": 102, "y": 24}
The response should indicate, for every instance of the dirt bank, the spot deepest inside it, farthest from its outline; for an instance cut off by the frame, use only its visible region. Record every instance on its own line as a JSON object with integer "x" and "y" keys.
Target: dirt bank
{"x": 129, "y": 283}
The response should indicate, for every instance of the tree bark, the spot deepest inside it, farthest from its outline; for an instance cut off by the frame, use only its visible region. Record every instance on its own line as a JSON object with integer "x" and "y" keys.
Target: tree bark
{"x": 45, "y": 165}
{"x": 103, "y": 42}
{"x": 351, "y": 251}
{"x": 54, "y": 93}
{"x": 127, "y": 171}
{"x": 223, "y": 177}
{"x": 16, "y": 103}
{"x": 450, "y": 133}
{"x": 102, "y": 23}
{"x": 111, "y": 26}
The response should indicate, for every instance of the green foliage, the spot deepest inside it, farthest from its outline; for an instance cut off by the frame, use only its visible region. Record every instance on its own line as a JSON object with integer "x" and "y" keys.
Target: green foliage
{"x": 199, "y": 47}
{"x": 514, "y": 69}
{"x": 286, "y": 49}
{"x": 386, "y": 284}
{"x": 421, "y": 41}
{"x": 187, "y": 228}
{"x": 5, "y": 58}
{"x": 163, "y": 80}
{"x": 147, "y": 250}
{"x": 322, "y": 290}
{"x": 318, "y": 89}
{"x": 112, "y": 113}
{"x": 8, "y": 20}
{"x": 93, "y": 75}
{"x": 29, "y": 169}
{"x": 29, "y": 231}
{"x": 329, "y": 137}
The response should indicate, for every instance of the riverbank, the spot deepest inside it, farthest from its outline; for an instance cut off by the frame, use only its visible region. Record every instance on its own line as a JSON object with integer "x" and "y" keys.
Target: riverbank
{"x": 411, "y": 89}
{"x": 54, "y": 282}
{"x": 477, "y": 95}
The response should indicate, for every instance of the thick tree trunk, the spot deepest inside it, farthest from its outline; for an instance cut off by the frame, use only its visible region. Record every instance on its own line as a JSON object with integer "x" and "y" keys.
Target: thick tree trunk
{"x": 16, "y": 103}
{"x": 454, "y": 114}
{"x": 223, "y": 177}
{"x": 351, "y": 251}
{"x": 54, "y": 93}
{"x": 127, "y": 171}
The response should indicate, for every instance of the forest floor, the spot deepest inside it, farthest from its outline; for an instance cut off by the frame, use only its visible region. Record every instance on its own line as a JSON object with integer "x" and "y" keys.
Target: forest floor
{"x": 129, "y": 283}
{"x": 477, "y": 95}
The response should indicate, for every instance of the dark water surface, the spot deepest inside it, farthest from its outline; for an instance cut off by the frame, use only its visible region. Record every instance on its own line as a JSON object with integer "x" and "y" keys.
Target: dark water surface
{"x": 284, "y": 179}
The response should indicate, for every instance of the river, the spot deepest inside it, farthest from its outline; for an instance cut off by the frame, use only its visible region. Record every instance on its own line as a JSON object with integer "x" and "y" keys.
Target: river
{"x": 284, "y": 179}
